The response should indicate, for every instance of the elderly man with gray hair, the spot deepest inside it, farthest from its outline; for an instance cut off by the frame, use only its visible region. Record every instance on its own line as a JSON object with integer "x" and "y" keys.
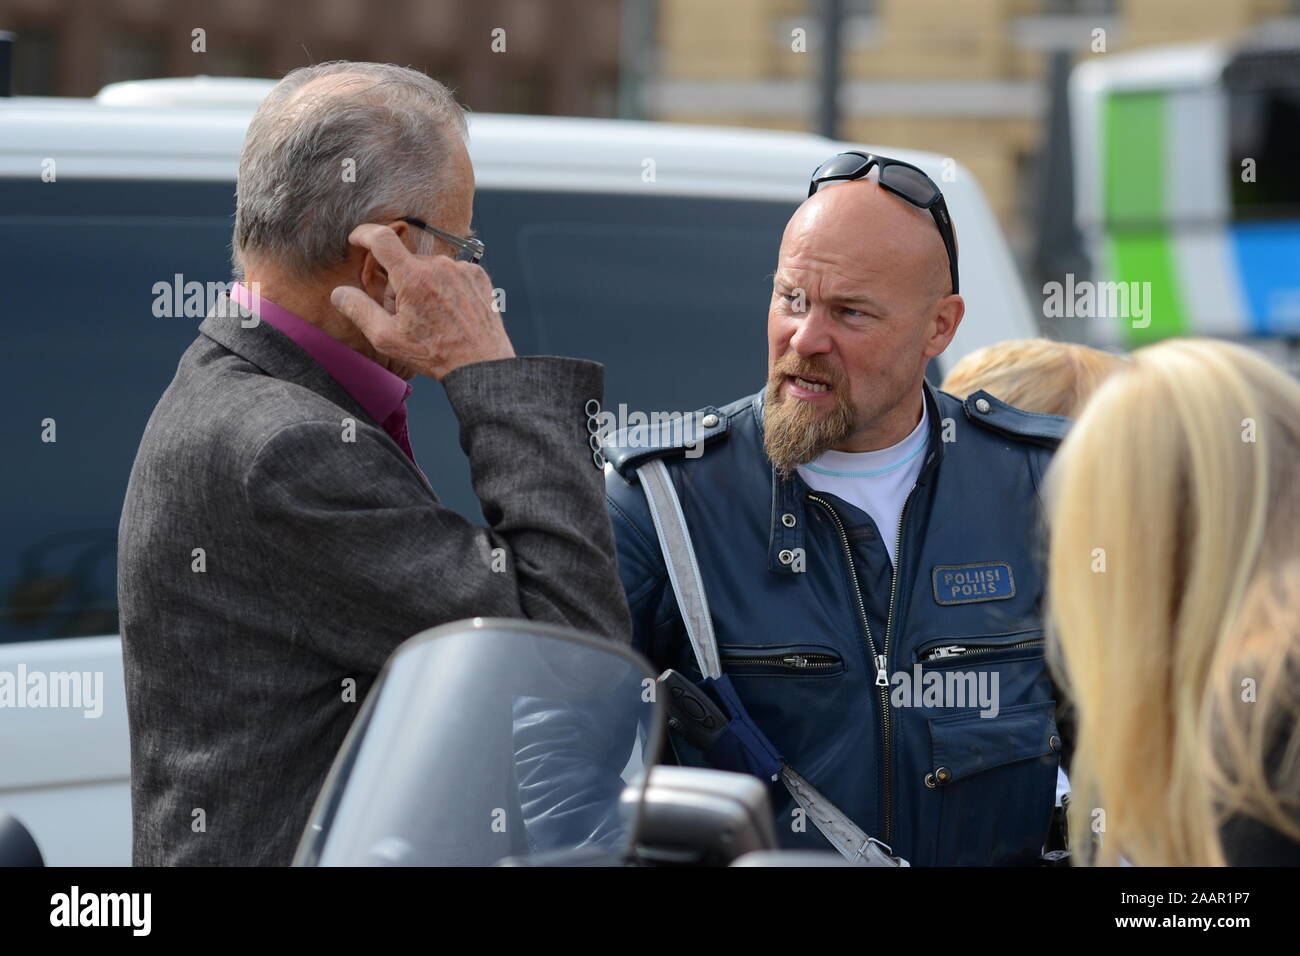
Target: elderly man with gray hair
{"x": 278, "y": 539}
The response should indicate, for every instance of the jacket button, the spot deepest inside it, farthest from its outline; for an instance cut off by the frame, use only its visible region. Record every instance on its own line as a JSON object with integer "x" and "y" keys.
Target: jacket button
{"x": 786, "y": 556}
{"x": 1054, "y": 742}
{"x": 787, "y": 519}
{"x": 710, "y": 420}
{"x": 982, "y": 405}
{"x": 943, "y": 775}
{"x": 929, "y": 781}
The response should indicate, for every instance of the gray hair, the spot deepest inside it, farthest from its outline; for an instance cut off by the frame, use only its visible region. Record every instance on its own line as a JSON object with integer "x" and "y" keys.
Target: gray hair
{"x": 295, "y": 200}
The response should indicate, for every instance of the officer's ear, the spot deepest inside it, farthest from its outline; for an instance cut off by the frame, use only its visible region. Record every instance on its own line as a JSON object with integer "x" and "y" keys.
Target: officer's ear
{"x": 947, "y": 316}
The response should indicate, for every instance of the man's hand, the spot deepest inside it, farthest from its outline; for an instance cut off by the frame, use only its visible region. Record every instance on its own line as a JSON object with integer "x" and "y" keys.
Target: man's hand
{"x": 444, "y": 313}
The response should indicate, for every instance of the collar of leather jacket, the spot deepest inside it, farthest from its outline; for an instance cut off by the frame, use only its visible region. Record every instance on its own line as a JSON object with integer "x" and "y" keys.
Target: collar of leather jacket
{"x": 679, "y": 439}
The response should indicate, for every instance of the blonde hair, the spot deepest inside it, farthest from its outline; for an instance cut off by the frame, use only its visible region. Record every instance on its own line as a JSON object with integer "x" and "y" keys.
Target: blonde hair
{"x": 1037, "y": 375}
{"x": 1174, "y": 578}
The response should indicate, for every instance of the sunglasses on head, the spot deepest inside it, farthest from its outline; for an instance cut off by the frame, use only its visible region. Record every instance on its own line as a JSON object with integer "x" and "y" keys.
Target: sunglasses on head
{"x": 903, "y": 180}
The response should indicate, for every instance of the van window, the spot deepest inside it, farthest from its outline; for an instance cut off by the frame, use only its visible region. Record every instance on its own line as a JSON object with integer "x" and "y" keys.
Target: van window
{"x": 83, "y": 364}
{"x": 1263, "y": 92}
{"x": 670, "y": 293}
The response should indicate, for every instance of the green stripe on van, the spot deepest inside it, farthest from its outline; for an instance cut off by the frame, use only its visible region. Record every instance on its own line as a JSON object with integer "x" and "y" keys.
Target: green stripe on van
{"x": 1133, "y": 175}
{"x": 1134, "y": 158}
{"x": 1147, "y": 257}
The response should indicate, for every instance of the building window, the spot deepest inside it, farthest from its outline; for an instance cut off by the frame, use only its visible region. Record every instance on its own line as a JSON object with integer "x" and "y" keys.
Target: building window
{"x": 1081, "y": 7}
{"x": 36, "y": 62}
{"x": 235, "y": 59}
{"x": 133, "y": 56}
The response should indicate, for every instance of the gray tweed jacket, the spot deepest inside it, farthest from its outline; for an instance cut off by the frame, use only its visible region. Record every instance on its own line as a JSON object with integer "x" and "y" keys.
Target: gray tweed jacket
{"x": 263, "y": 559}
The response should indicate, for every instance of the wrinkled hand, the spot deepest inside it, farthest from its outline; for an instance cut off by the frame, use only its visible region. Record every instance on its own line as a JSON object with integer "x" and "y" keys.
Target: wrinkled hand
{"x": 444, "y": 315}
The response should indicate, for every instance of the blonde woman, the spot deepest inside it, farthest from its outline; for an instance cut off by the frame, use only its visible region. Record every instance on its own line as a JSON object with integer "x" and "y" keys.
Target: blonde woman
{"x": 1175, "y": 607}
{"x": 1037, "y": 375}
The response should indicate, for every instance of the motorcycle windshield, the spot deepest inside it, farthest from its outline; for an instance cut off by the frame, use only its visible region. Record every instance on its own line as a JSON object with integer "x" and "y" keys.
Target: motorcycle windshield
{"x": 491, "y": 741}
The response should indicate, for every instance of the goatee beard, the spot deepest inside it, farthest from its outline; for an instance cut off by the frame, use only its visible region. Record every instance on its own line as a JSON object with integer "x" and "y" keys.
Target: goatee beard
{"x": 794, "y": 431}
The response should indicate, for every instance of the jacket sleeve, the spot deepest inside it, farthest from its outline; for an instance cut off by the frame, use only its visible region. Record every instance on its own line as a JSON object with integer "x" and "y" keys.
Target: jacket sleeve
{"x": 386, "y": 560}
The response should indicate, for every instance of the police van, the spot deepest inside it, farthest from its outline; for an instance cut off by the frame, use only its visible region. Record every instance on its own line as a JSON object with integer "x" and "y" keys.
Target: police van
{"x": 1186, "y": 192}
{"x": 646, "y": 246}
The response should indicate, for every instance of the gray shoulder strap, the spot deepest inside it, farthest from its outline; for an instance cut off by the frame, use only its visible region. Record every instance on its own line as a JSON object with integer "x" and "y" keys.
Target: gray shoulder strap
{"x": 842, "y": 833}
{"x": 679, "y": 557}
{"x": 684, "y": 574}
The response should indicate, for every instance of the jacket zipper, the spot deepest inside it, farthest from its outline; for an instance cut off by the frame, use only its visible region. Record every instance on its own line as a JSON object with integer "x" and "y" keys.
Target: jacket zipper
{"x": 794, "y": 661}
{"x": 957, "y": 650}
{"x": 881, "y": 659}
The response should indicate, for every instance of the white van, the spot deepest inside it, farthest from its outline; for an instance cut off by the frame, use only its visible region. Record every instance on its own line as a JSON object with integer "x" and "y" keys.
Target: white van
{"x": 645, "y": 246}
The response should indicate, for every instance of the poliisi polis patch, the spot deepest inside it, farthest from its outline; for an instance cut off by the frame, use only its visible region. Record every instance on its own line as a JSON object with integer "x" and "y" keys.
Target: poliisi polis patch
{"x": 968, "y": 583}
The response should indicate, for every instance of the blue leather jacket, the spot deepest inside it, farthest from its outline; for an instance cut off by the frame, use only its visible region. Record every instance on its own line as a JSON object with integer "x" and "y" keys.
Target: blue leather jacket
{"x": 805, "y": 604}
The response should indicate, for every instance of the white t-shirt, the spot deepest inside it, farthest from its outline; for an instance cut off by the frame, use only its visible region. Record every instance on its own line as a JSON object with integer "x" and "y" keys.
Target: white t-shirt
{"x": 878, "y": 482}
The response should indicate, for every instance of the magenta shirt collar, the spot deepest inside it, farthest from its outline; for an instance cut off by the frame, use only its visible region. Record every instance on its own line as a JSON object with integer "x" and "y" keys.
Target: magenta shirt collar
{"x": 375, "y": 389}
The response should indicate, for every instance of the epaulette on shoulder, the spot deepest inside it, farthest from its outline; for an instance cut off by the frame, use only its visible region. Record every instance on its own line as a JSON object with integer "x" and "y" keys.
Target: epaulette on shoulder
{"x": 996, "y": 415}
{"x": 662, "y": 435}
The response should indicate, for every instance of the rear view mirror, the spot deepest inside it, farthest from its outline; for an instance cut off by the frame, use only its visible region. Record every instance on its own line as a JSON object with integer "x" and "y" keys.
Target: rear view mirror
{"x": 696, "y": 817}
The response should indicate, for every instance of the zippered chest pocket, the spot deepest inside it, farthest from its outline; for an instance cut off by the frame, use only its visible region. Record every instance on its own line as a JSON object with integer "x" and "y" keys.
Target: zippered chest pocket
{"x": 980, "y": 649}
{"x": 784, "y": 660}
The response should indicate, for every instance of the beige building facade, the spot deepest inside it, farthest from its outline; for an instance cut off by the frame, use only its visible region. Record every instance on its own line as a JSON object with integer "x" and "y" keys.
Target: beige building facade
{"x": 962, "y": 78}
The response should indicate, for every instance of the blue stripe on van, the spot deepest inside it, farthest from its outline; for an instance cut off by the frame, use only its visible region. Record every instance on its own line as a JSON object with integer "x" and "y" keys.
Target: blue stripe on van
{"x": 1267, "y": 256}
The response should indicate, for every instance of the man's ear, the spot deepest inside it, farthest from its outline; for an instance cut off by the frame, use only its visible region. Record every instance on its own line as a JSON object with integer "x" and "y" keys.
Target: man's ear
{"x": 374, "y": 277}
{"x": 947, "y": 317}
